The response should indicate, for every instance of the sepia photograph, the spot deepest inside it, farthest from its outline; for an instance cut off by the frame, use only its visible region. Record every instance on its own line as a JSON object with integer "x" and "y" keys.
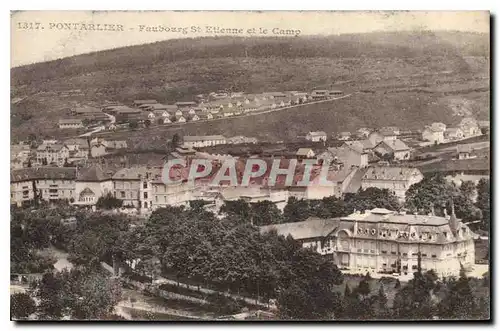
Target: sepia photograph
{"x": 221, "y": 166}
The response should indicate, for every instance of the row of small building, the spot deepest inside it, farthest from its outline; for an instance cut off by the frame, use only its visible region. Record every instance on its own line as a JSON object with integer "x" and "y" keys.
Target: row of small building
{"x": 142, "y": 187}
{"x": 216, "y": 106}
{"x": 57, "y": 153}
{"x": 434, "y": 133}
{"x": 468, "y": 127}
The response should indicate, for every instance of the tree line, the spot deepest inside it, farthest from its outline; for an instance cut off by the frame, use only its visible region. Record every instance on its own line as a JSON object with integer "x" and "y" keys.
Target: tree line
{"x": 228, "y": 252}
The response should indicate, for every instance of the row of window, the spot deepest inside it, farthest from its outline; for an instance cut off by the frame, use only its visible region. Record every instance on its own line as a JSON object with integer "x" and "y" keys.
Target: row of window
{"x": 395, "y": 253}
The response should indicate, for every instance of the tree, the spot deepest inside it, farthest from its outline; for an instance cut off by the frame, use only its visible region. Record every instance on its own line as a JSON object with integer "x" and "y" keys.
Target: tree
{"x": 133, "y": 125}
{"x": 21, "y": 306}
{"x": 197, "y": 205}
{"x": 51, "y": 299}
{"x": 398, "y": 284}
{"x": 350, "y": 305}
{"x": 175, "y": 140}
{"x": 370, "y": 198}
{"x": 433, "y": 193}
{"x": 80, "y": 293}
{"x": 363, "y": 288}
{"x": 330, "y": 207}
{"x": 265, "y": 213}
{"x": 468, "y": 189}
{"x": 109, "y": 202}
{"x": 415, "y": 300}
{"x": 296, "y": 210}
{"x": 310, "y": 294}
{"x": 97, "y": 238}
{"x": 483, "y": 201}
{"x": 389, "y": 157}
{"x": 239, "y": 208}
{"x": 459, "y": 302}
{"x": 380, "y": 304}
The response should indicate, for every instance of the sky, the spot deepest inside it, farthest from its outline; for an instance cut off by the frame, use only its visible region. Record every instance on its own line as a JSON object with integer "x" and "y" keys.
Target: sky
{"x": 38, "y": 36}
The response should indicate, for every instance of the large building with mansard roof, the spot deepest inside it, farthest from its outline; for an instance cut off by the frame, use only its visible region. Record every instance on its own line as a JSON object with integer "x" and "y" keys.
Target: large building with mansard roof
{"x": 385, "y": 241}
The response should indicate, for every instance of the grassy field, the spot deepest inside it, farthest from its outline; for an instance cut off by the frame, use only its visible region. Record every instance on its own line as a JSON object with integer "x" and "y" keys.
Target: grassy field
{"x": 401, "y": 80}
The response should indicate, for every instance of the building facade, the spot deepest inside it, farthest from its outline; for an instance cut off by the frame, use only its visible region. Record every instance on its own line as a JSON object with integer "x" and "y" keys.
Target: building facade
{"x": 53, "y": 154}
{"x": 91, "y": 184}
{"x": 384, "y": 241}
{"x": 134, "y": 185}
{"x": 396, "y": 147}
{"x": 204, "y": 141}
{"x": 47, "y": 183}
{"x": 316, "y": 136}
{"x": 396, "y": 179}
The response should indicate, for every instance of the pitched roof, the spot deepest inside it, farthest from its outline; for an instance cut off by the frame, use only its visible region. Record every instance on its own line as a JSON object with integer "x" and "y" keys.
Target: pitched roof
{"x": 51, "y": 147}
{"x": 317, "y": 133}
{"x": 93, "y": 173}
{"x": 387, "y": 132}
{"x": 390, "y": 173}
{"x": 87, "y": 191}
{"x": 125, "y": 110}
{"x": 70, "y": 121}
{"x": 141, "y": 102}
{"x": 355, "y": 183}
{"x": 453, "y": 130}
{"x": 75, "y": 141}
{"x": 25, "y": 174}
{"x": 135, "y": 173}
{"x": 356, "y": 146}
{"x": 117, "y": 144}
{"x": 203, "y": 138}
{"x": 483, "y": 124}
{"x": 86, "y": 109}
{"x": 382, "y": 215}
{"x": 464, "y": 148}
{"x": 396, "y": 145}
{"x": 311, "y": 228}
{"x": 303, "y": 151}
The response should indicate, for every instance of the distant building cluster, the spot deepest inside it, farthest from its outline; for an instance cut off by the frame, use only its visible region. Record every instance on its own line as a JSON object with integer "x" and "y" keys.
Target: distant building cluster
{"x": 438, "y": 133}
{"x": 206, "y": 107}
{"x": 59, "y": 153}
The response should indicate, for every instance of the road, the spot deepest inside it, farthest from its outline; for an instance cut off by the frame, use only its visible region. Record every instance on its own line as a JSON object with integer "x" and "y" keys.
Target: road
{"x": 251, "y": 301}
{"x": 247, "y": 114}
{"x": 153, "y": 305}
{"x": 99, "y": 128}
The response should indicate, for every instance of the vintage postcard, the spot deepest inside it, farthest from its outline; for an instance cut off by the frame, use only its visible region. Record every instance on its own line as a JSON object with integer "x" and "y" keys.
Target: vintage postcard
{"x": 207, "y": 165}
